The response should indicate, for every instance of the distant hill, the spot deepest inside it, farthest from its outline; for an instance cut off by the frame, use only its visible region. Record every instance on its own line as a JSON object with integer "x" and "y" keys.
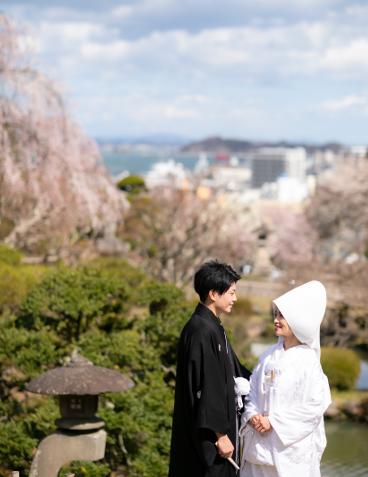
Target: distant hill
{"x": 159, "y": 139}
{"x": 218, "y": 145}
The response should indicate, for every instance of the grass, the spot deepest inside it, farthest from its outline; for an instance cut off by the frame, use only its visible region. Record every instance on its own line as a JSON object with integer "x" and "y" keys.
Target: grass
{"x": 353, "y": 395}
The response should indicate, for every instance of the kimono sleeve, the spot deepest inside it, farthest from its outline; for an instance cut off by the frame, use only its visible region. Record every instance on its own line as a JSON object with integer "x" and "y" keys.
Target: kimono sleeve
{"x": 251, "y": 408}
{"x": 295, "y": 423}
{"x": 207, "y": 384}
{"x": 240, "y": 370}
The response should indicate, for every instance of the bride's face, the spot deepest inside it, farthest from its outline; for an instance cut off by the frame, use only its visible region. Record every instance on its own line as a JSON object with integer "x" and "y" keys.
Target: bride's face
{"x": 282, "y": 327}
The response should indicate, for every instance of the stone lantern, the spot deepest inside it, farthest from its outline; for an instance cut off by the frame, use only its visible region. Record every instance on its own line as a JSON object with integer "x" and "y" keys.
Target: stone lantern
{"x": 79, "y": 435}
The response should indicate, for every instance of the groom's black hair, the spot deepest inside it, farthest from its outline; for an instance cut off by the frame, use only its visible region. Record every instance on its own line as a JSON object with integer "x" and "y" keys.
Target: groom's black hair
{"x": 214, "y": 275}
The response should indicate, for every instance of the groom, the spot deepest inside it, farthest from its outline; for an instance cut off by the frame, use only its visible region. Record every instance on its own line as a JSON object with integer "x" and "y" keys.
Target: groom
{"x": 204, "y": 432}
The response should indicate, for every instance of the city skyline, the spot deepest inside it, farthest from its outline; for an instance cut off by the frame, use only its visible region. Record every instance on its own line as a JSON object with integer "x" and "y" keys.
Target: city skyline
{"x": 266, "y": 70}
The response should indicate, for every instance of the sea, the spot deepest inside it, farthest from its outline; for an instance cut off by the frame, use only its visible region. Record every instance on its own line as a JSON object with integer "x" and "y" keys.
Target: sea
{"x": 140, "y": 162}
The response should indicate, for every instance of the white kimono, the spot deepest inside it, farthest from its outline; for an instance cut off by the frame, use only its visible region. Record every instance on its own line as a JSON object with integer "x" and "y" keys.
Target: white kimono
{"x": 291, "y": 388}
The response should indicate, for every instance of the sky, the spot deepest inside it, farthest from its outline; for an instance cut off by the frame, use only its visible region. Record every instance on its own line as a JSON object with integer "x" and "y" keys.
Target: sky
{"x": 293, "y": 70}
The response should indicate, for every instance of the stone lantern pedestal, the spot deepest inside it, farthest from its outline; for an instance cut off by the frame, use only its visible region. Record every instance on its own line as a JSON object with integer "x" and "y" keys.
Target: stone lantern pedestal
{"x": 79, "y": 435}
{"x": 61, "y": 448}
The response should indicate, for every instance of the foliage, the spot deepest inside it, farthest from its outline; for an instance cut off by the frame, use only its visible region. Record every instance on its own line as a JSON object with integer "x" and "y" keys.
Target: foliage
{"x": 168, "y": 313}
{"x": 129, "y": 323}
{"x": 121, "y": 270}
{"x": 16, "y": 445}
{"x": 352, "y": 395}
{"x": 12, "y": 286}
{"x": 9, "y": 255}
{"x": 342, "y": 367}
{"x": 132, "y": 184}
{"x": 173, "y": 232}
{"x": 15, "y": 281}
{"x": 68, "y": 300}
{"x": 86, "y": 469}
{"x": 30, "y": 351}
{"x": 139, "y": 425}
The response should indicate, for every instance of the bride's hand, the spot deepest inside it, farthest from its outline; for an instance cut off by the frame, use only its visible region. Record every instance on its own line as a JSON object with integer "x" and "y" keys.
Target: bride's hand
{"x": 265, "y": 423}
{"x": 260, "y": 423}
{"x": 255, "y": 420}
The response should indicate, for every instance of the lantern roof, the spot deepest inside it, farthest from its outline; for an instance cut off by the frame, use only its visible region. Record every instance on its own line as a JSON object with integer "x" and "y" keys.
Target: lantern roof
{"x": 79, "y": 377}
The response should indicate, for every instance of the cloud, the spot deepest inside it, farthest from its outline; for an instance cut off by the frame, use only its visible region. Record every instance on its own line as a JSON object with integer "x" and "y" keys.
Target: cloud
{"x": 136, "y": 112}
{"x": 107, "y": 52}
{"x": 251, "y": 52}
{"x": 245, "y": 47}
{"x": 350, "y": 58}
{"x": 123, "y": 11}
{"x": 70, "y": 33}
{"x": 142, "y": 17}
{"x": 201, "y": 66}
{"x": 346, "y": 103}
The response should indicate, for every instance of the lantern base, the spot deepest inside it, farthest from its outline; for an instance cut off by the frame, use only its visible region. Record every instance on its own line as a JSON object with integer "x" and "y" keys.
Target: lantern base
{"x": 61, "y": 448}
{"x": 92, "y": 423}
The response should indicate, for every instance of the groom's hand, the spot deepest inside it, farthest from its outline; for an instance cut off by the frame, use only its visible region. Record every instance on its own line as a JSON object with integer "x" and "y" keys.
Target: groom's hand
{"x": 224, "y": 446}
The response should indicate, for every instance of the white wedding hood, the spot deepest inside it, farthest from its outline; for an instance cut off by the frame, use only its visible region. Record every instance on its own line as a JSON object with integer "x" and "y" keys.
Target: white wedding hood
{"x": 303, "y": 308}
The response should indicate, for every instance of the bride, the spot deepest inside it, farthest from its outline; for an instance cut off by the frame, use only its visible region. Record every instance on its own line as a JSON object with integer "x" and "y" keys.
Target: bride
{"x": 282, "y": 432}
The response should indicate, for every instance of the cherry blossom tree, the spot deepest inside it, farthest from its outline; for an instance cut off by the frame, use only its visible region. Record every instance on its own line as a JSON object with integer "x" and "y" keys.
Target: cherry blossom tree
{"x": 172, "y": 232}
{"x": 54, "y": 189}
{"x": 339, "y": 211}
{"x": 291, "y": 239}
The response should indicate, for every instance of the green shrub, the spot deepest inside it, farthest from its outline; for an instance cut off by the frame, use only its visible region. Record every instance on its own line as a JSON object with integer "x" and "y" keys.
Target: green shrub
{"x": 342, "y": 367}
{"x": 30, "y": 352}
{"x": 133, "y": 279}
{"x": 169, "y": 311}
{"x": 132, "y": 184}
{"x": 141, "y": 421}
{"x": 118, "y": 319}
{"x": 16, "y": 446}
{"x": 86, "y": 469}
{"x": 12, "y": 287}
{"x": 9, "y": 255}
{"x": 121, "y": 270}
{"x": 70, "y": 301}
{"x": 15, "y": 282}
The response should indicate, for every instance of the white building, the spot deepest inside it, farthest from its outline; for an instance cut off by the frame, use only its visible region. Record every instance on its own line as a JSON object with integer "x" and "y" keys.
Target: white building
{"x": 359, "y": 151}
{"x": 167, "y": 173}
{"x": 291, "y": 189}
{"x": 231, "y": 178}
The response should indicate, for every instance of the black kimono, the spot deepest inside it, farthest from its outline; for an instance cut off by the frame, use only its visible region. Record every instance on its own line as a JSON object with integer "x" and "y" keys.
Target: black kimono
{"x": 204, "y": 398}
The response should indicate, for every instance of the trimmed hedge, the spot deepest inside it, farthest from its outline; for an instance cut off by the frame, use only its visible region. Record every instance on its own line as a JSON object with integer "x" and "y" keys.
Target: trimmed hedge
{"x": 342, "y": 367}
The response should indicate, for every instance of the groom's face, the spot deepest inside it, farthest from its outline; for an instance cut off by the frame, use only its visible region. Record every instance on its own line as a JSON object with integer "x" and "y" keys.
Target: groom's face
{"x": 225, "y": 302}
